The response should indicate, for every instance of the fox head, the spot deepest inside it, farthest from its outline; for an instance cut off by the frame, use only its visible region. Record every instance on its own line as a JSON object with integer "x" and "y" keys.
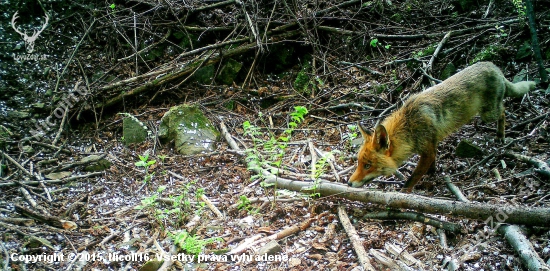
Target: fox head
{"x": 374, "y": 158}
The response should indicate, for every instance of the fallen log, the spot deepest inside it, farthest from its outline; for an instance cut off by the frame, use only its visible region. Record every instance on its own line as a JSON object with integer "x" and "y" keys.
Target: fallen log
{"x": 489, "y": 213}
{"x": 176, "y": 73}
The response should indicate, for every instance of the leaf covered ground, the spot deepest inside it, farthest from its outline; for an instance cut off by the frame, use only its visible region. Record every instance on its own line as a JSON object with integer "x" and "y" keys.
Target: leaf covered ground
{"x": 343, "y": 62}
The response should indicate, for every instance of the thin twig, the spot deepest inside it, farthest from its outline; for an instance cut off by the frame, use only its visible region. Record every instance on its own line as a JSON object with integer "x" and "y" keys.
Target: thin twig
{"x": 216, "y": 211}
{"x": 17, "y": 164}
{"x": 72, "y": 55}
{"x": 436, "y": 52}
{"x": 455, "y": 190}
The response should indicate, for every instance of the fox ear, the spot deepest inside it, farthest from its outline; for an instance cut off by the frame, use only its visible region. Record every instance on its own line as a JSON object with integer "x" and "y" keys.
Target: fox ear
{"x": 365, "y": 132}
{"x": 381, "y": 139}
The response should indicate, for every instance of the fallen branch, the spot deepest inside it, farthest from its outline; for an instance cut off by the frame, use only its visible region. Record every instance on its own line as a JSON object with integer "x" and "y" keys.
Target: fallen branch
{"x": 523, "y": 247}
{"x": 541, "y": 166}
{"x": 215, "y": 210}
{"x": 82, "y": 162}
{"x": 413, "y": 216}
{"x": 18, "y": 221}
{"x": 56, "y": 181}
{"x": 299, "y": 176}
{"x": 455, "y": 190}
{"x": 415, "y": 36}
{"x": 277, "y": 236}
{"x": 184, "y": 70}
{"x": 430, "y": 77}
{"x": 50, "y": 220}
{"x": 389, "y": 262}
{"x": 521, "y": 124}
{"x": 213, "y": 6}
{"x": 355, "y": 240}
{"x": 17, "y": 164}
{"x": 6, "y": 256}
{"x": 360, "y": 67}
{"x": 168, "y": 256}
{"x": 530, "y": 216}
{"x": 267, "y": 199}
{"x": 46, "y": 145}
{"x": 168, "y": 33}
{"x": 516, "y": 239}
{"x": 404, "y": 256}
{"x": 436, "y": 52}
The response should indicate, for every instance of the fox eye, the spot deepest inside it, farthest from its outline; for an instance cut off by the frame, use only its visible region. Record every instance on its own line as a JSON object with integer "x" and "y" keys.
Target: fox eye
{"x": 367, "y": 166}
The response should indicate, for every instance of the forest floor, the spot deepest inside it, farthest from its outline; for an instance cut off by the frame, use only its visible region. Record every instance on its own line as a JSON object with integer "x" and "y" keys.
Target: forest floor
{"x": 112, "y": 219}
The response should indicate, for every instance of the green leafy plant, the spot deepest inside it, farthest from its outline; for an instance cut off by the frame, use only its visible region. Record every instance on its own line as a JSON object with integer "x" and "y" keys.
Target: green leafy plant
{"x": 145, "y": 163}
{"x": 374, "y": 42}
{"x": 245, "y": 204}
{"x": 186, "y": 198}
{"x": 520, "y": 8}
{"x": 177, "y": 209}
{"x": 488, "y": 53}
{"x": 319, "y": 169}
{"x": 162, "y": 158}
{"x": 350, "y": 135}
{"x": 321, "y": 166}
{"x": 426, "y": 52}
{"x": 112, "y": 6}
{"x": 150, "y": 204}
{"x": 501, "y": 33}
{"x": 201, "y": 204}
{"x": 270, "y": 152}
{"x": 191, "y": 244}
{"x": 176, "y": 213}
{"x": 305, "y": 80}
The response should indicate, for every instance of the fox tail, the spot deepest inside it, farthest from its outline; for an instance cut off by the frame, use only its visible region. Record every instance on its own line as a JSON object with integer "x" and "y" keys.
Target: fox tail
{"x": 518, "y": 89}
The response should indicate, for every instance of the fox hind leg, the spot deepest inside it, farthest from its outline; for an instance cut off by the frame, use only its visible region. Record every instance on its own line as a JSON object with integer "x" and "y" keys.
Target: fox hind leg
{"x": 500, "y": 126}
{"x": 493, "y": 110}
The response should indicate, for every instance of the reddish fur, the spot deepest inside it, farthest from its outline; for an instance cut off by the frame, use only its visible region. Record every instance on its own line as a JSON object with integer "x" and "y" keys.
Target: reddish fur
{"x": 428, "y": 117}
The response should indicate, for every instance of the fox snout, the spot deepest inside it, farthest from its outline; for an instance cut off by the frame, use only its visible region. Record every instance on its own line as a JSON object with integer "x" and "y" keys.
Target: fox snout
{"x": 356, "y": 183}
{"x": 359, "y": 178}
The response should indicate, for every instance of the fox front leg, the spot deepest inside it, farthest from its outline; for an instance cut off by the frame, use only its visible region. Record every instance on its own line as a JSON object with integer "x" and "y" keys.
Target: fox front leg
{"x": 426, "y": 163}
{"x": 432, "y": 168}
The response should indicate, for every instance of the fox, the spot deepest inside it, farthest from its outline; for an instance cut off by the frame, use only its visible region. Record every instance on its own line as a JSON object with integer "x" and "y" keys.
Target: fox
{"x": 428, "y": 117}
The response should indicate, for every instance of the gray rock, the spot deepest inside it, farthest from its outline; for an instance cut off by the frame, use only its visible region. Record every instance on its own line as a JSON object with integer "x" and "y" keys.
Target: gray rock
{"x": 204, "y": 75}
{"x": 467, "y": 149}
{"x": 96, "y": 163}
{"x": 271, "y": 248}
{"x": 189, "y": 129}
{"x": 133, "y": 131}
{"x": 228, "y": 72}
{"x": 448, "y": 71}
